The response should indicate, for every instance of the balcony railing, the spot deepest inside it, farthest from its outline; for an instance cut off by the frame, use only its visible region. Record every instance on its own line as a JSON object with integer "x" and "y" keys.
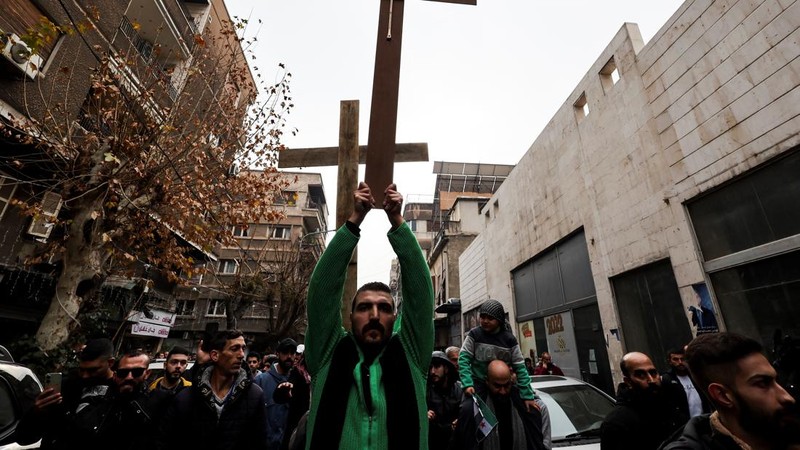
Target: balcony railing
{"x": 145, "y": 49}
{"x": 184, "y": 21}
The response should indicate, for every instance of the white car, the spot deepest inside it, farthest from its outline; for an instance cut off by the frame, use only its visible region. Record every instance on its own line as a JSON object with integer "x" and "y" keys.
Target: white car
{"x": 576, "y": 408}
{"x": 19, "y": 388}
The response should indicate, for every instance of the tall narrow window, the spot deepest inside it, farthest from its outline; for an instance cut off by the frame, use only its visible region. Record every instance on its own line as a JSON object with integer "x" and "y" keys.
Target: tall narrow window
{"x": 609, "y": 75}
{"x": 7, "y": 189}
{"x": 281, "y": 232}
{"x": 227, "y": 266}
{"x": 581, "y": 107}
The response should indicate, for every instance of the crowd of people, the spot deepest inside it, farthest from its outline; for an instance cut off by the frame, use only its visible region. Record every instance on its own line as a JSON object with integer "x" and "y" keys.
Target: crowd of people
{"x": 379, "y": 385}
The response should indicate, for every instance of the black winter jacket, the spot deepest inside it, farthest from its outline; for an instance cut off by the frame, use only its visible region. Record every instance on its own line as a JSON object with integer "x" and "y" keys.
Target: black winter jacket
{"x": 641, "y": 422}
{"x": 191, "y": 421}
{"x": 90, "y": 418}
{"x": 446, "y": 405}
{"x": 698, "y": 435}
{"x": 671, "y": 379}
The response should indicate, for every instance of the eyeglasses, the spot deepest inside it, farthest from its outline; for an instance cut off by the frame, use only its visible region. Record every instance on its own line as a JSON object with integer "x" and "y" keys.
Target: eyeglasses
{"x": 136, "y": 372}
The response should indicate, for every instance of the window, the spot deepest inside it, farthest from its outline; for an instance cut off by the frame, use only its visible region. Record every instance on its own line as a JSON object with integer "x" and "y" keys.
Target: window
{"x": 42, "y": 224}
{"x": 258, "y": 310}
{"x": 581, "y": 107}
{"x": 227, "y": 266}
{"x": 749, "y": 233}
{"x": 216, "y": 308}
{"x": 194, "y": 275}
{"x": 233, "y": 94}
{"x": 281, "y": 232}
{"x": 288, "y": 198}
{"x": 270, "y": 277}
{"x": 185, "y": 308}
{"x": 7, "y": 189}
{"x": 554, "y": 278}
{"x": 240, "y": 231}
{"x": 609, "y": 75}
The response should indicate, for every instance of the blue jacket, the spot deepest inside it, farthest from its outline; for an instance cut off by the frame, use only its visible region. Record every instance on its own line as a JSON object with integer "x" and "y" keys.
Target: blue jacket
{"x": 277, "y": 413}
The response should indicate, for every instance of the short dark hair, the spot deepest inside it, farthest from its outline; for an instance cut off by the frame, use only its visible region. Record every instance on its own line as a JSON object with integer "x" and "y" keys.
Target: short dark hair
{"x": 133, "y": 353}
{"x": 372, "y": 286}
{"x": 254, "y": 355}
{"x": 97, "y": 348}
{"x": 221, "y": 338}
{"x": 178, "y": 350}
{"x": 675, "y": 351}
{"x": 709, "y": 356}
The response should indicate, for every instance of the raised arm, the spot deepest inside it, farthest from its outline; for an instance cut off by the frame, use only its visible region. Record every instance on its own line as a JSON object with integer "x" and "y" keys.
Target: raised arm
{"x": 326, "y": 287}
{"x": 416, "y": 321}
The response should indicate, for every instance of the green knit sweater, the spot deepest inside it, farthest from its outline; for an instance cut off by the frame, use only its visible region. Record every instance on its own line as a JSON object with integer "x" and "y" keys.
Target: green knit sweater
{"x": 414, "y": 327}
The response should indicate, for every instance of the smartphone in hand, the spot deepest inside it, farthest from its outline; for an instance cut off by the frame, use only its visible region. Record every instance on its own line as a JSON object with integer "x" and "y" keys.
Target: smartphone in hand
{"x": 53, "y": 380}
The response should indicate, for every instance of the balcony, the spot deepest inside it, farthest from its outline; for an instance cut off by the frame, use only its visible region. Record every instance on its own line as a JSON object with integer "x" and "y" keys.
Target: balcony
{"x": 167, "y": 25}
{"x": 153, "y": 70}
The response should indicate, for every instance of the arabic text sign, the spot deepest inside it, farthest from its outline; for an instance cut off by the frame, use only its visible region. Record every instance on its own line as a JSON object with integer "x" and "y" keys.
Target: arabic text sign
{"x": 162, "y": 318}
{"x": 149, "y": 329}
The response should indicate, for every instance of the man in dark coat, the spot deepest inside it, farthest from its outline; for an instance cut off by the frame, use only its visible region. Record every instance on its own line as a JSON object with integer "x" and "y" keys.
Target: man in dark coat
{"x": 223, "y": 410}
{"x": 518, "y": 428}
{"x": 70, "y": 417}
{"x": 444, "y": 397}
{"x": 646, "y": 414}
{"x": 752, "y": 410}
{"x": 688, "y": 397}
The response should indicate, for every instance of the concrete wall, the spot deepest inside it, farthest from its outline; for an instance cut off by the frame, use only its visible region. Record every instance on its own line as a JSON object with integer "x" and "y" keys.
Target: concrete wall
{"x": 712, "y": 95}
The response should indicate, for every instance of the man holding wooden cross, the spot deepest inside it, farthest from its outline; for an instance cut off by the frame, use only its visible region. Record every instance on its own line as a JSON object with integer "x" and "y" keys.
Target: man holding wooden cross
{"x": 368, "y": 384}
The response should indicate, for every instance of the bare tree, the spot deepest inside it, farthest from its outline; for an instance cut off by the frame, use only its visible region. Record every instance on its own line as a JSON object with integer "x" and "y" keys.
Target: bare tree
{"x": 142, "y": 172}
{"x": 275, "y": 274}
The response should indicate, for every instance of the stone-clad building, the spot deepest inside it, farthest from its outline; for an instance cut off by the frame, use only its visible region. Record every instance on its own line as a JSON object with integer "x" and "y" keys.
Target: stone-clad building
{"x": 660, "y": 200}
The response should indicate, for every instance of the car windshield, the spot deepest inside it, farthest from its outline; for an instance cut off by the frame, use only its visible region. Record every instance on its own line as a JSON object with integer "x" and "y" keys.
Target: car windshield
{"x": 576, "y": 410}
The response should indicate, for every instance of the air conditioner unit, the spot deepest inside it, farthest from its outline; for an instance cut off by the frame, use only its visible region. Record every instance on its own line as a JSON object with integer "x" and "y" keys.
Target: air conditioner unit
{"x": 42, "y": 226}
{"x": 234, "y": 169}
{"x": 17, "y": 54}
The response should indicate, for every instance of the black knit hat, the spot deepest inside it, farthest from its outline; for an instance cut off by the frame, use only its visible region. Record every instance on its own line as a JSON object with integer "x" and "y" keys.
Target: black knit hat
{"x": 494, "y": 309}
{"x": 287, "y": 345}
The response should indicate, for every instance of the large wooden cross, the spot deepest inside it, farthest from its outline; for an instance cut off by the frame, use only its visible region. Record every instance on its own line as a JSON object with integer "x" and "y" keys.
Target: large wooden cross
{"x": 385, "y": 87}
{"x": 348, "y": 155}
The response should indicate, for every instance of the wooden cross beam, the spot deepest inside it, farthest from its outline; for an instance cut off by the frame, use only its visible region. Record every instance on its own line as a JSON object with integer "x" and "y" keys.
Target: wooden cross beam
{"x": 347, "y": 156}
{"x": 385, "y": 88}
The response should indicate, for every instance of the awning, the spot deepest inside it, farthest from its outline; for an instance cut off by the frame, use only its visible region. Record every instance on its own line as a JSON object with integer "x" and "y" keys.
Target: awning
{"x": 452, "y": 305}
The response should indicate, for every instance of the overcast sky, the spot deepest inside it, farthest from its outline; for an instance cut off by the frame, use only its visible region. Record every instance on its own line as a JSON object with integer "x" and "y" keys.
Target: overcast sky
{"x": 477, "y": 83}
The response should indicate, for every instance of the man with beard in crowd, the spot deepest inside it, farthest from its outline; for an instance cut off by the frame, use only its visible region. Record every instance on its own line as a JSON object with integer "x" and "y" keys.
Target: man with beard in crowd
{"x": 223, "y": 410}
{"x": 645, "y": 414}
{"x": 131, "y": 408}
{"x": 753, "y": 410}
{"x": 174, "y": 367}
{"x": 690, "y": 399}
{"x": 519, "y": 427}
{"x": 444, "y": 399}
{"x": 297, "y": 393}
{"x": 277, "y": 413}
{"x": 71, "y": 418}
{"x": 368, "y": 383}
{"x": 546, "y": 366}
